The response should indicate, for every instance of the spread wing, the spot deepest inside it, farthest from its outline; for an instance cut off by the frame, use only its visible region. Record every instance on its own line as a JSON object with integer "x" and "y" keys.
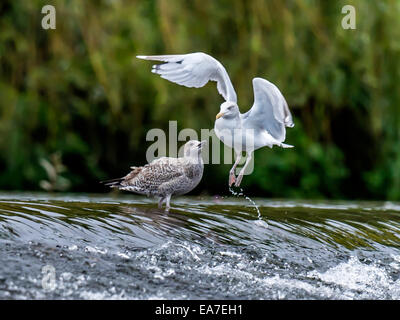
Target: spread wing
{"x": 194, "y": 70}
{"x": 270, "y": 110}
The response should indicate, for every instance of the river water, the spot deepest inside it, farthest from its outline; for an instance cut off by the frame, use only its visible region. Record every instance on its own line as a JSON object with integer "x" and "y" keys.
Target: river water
{"x": 123, "y": 247}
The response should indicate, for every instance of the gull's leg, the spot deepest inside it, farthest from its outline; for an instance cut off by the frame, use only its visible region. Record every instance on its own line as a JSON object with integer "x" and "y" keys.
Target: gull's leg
{"x": 241, "y": 173}
{"x": 167, "y": 207}
{"x": 160, "y": 202}
{"x": 232, "y": 177}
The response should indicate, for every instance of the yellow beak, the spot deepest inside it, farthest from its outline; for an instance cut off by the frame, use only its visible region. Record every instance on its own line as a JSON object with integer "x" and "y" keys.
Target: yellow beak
{"x": 219, "y": 115}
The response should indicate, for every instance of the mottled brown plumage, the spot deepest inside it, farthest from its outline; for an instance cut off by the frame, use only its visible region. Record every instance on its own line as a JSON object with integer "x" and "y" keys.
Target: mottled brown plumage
{"x": 165, "y": 177}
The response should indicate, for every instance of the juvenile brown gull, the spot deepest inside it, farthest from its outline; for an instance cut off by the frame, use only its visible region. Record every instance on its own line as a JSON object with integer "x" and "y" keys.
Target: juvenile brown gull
{"x": 165, "y": 177}
{"x": 263, "y": 125}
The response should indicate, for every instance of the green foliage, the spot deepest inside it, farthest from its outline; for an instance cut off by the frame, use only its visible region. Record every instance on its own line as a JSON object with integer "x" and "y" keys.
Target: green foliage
{"x": 80, "y": 91}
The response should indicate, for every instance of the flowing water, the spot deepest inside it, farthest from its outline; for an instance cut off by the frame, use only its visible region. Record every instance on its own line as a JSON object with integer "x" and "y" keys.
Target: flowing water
{"x": 123, "y": 247}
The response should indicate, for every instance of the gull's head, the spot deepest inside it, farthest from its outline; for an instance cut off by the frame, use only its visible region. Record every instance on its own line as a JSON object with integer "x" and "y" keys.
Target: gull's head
{"x": 193, "y": 148}
{"x": 228, "y": 110}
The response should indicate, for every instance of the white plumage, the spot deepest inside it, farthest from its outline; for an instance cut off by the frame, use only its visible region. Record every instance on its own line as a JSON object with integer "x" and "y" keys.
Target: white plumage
{"x": 263, "y": 125}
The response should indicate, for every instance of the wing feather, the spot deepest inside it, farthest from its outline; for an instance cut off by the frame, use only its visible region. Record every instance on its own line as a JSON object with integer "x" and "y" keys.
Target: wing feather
{"x": 149, "y": 178}
{"x": 194, "y": 70}
{"x": 270, "y": 110}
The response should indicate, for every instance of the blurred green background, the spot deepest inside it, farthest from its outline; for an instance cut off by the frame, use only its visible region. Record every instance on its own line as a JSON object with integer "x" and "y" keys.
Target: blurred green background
{"x": 75, "y": 103}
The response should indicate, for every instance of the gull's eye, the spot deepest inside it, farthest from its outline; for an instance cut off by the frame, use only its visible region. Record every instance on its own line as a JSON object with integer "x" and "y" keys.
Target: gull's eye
{"x": 230, "y": 107}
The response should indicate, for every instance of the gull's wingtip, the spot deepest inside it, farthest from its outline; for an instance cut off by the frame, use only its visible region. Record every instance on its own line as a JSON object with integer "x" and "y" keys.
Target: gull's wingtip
{"x": 141, "y": 57}
{"x": 286, "y": 146}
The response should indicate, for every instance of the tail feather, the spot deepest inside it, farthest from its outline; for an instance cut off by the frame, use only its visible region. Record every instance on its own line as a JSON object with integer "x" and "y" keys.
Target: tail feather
{"x": 112, "y": 182}
{"x": 124, "y": 181}
{"x": 283, "y": 145}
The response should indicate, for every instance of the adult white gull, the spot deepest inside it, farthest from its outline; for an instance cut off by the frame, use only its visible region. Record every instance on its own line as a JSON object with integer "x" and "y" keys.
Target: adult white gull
{"x": 263, "y": 125}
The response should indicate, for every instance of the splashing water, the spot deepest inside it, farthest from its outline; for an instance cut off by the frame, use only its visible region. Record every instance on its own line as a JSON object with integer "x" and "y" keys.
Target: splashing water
{"x": 124, "y": 247}
{"x": 241, "y": 193}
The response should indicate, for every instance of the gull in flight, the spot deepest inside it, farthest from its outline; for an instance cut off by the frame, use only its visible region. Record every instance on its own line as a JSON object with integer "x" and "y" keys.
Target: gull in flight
{"x": 165, "y": 177}
{"x": 263, "y": 125}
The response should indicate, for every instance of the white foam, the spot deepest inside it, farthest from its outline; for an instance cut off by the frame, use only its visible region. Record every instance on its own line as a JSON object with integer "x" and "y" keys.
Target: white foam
{"x": 95, "y": 250}
{"x": 366, "y": 280}
{"x": 123, "y": 255}
{"x": 90, "y": 295}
